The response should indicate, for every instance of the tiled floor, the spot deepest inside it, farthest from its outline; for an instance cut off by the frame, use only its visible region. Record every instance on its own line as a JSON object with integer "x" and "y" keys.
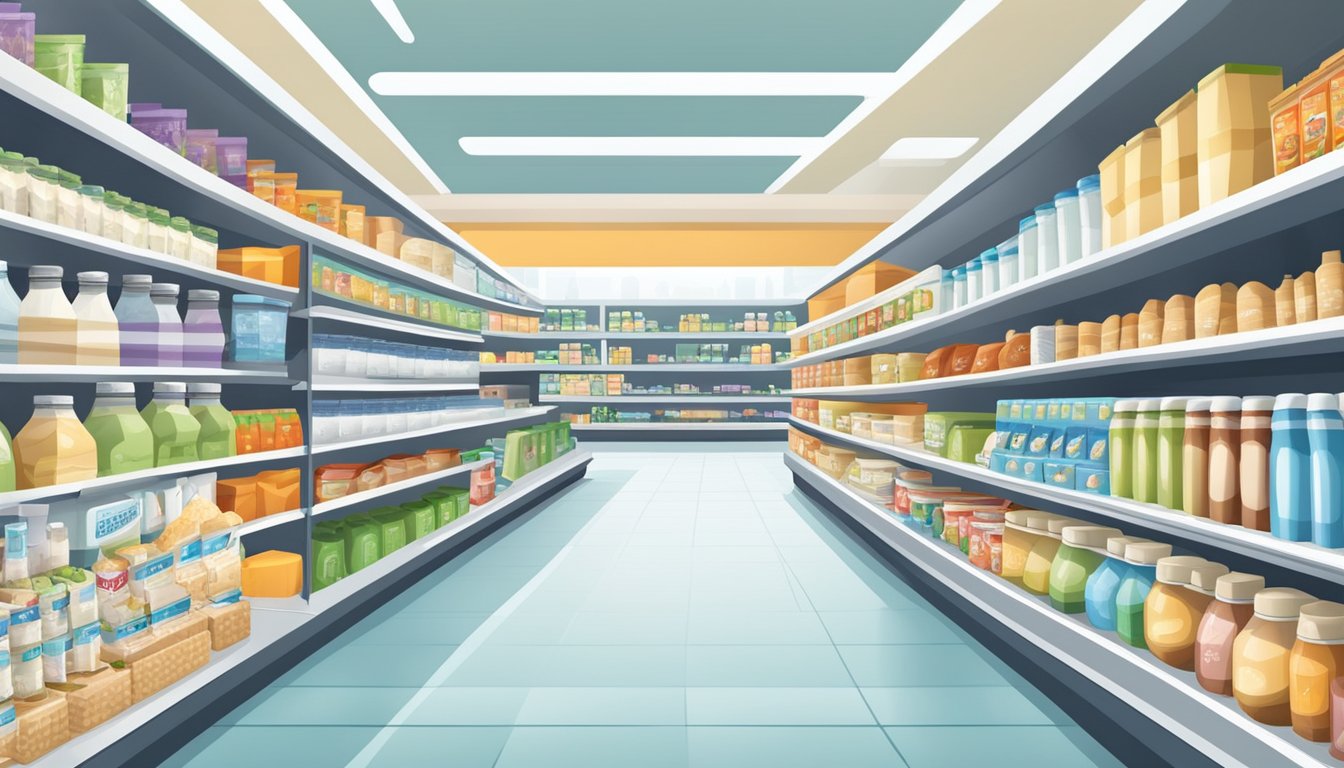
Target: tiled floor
{"x": 680, "y": 607}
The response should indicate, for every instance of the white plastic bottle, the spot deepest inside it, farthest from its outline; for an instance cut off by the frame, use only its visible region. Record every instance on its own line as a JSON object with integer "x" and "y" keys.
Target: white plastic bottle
{"x": 1089, "y": 214}
{"x": 1069, "y": 225}
{"x": 1047, "y": 239}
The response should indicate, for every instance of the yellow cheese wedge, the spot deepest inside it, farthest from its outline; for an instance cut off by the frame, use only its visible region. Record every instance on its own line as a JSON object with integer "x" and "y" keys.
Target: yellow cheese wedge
{"x": 273, "y": 574}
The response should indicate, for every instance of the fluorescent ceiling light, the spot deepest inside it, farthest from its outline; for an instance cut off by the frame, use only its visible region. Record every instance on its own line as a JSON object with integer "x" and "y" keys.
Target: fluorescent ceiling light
{"x": 636, "y": 146}
{"x": 392, "y": 15}
{"x": 923, "y": 149}
{"x": 627, "y": 83}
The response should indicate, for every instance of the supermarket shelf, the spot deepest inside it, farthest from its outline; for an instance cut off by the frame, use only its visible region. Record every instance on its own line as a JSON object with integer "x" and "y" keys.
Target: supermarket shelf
{"x": 270, "y": 521}
{"x": 341, "y": 384}
{"x": 135, "y": 259}
{"x": 1170, "y": 698}
{"x": 1299, "y": 557}
{"x": 324, "y": 507}
{"x": 667, "y": 367}
{"x": 615, "y": 336}
{"x": 129, "y": 478}
{"x": 29, "y": 86}
{"x": 1318, "y": 337}
{"x": 529, "y": 487}
{"x": 73, "y": 374}
{"x": 708, "y": 426}
{"x": 373, "y": 318}
{"x": 505, "y": 417}
{"x": 663, "y": 399}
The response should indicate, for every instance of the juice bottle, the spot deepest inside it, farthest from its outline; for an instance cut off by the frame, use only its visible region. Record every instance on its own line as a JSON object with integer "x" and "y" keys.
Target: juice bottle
{"x": 137, "y": 322}
{"x": 1172, "y": 611}
{"x": 1325, "y": 433}
{"x": 1145, "y": 451}
{"x": 1229, "y": 613}
{"x": 1316, "y": 661}
{"x": 125, "y": 443}
{"x": 1082, "y": 551}
{"x": 1099, "y": 594}
{"x": 53, "y": 447}
{"x": 218, "y": 438}
{"x": 176, "y": 431}
{"x": 1260, "y": 655}
{"x": 1122, "y": 448}
{"x": 1017, "y": 544}
{"x": 168, "y": 350}
{"x": 7, "y": 482}
{"x": 97, "y": 339}
{"x": 1195, "y": 458}
{"x": 1036, "y": 570}
{"x": 1288, "y": 451}
{"x": 9, "y": 319}
{"x": 202, "y": 330}
{"x": 1142, "y": 559}
{"x": 1253, "y": 474}
{"x": 1225, "y": 460}
{"x": 1171, "y": 452}
{"x": 47, "y": 322}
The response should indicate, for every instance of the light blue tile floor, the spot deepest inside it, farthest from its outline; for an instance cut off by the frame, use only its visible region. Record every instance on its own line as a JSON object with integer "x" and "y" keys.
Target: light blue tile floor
{"x": 679, "y": 607}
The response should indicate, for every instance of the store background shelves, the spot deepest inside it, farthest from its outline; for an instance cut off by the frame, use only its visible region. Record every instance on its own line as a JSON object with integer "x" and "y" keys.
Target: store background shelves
{"x": 682, "y": 399}
{"x": 511, "y": 417}
{"x": 341, "y": 384}
{"x": 373, "y": 319}
{"x": 382, "y": 492}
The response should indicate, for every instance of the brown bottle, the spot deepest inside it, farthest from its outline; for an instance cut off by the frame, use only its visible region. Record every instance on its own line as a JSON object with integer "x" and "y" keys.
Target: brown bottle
{"x": 1225, "y": 460}
{"x": 1253, "y": 471}
{"x": 1226, "y": 616}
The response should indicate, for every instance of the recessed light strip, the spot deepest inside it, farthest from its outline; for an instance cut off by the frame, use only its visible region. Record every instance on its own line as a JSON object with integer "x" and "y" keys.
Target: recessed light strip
{"x": 637, "y": 146}
{"x": 392, "y": 15}
{"x": 628, "y": 83}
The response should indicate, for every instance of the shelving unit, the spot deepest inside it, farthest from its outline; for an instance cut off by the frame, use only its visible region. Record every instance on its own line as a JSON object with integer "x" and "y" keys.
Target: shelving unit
{"x": 369, "y": 317}
{"x": 341, "y": 384}
{"x": 635, "y": 398}
{"x": 1170, "y": 698}
{"x": 95, "y": 373}
{"x": 707, "y": 426}
{"x": 511, "y": 416}
{"x": 325, "y": 507}
{"x": 639, "y": 367}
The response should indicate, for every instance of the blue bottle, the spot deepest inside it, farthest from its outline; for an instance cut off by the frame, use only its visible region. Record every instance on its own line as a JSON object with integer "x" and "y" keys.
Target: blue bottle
{"x": 1325, "y": 433}
{"x": 1290, "y": 470}
{"x": 1104, "y": 583}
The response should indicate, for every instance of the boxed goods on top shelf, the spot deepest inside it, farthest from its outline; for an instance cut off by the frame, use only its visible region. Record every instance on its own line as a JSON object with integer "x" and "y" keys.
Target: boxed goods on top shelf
{"x": 510, "y": 323}
{"x": 567, "y": 319}
{"x": 607, "y": 415}
{"x": 336, "y": 421}
{"x": 332, "y": 278}
{"x": 634, "y": 321}
{"x": 360, "y": 358}
{"x": 748, "y": 354}
{"x": 598, "y": 384}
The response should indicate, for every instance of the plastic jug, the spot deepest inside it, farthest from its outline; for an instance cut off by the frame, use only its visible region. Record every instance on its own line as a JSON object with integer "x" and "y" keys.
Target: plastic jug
{"x": 218, "y": 438}
{"x": 97, "y": 339}
{"x": 169, "y": 347}
{"x": 9, "y": 318}
{"x": 1289, "y": 468}
{"x": 1325, "y": 436}
{"x": 203, "y": 330}
{"x": 47, "y": 323}
{"x": 391, "y": 528}
{"x": 53, "y": 447}
{"x": 1104, "y": 583}
{"x": 363, "y": 543}
{"x": 176, "y": 431}
{"x": 125, "y": 442}
{"x": 328, "y": 558}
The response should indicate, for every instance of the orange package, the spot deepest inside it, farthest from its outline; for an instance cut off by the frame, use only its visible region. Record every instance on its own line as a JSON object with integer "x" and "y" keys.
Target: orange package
{"x": 238, "y": 496}
{"x": 277, "y": 491}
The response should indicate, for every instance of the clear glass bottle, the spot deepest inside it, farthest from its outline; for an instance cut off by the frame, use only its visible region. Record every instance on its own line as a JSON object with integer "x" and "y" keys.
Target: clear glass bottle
{"x": 169, "y": 341}
{"x": 47, "y": 322}
{"x": 97, "y": 337}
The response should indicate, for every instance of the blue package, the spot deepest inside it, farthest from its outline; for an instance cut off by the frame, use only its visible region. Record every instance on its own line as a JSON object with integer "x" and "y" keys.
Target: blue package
{"x": 1059, "y": 474}
{"x": 1092, "y": 480}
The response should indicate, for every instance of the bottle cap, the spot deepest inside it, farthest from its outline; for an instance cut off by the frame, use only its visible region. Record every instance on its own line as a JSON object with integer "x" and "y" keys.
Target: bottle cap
{"x": 136, "y": 281}
{"x": 1281, "y": 602}
{"x": 45, "y": 272}
{"x": 1039, "y": 521}
{"x": 1094, "y": 536}
{"x": 1262, "y": 403}
{"x": 1225, "y": 404}
{"x": 163, "y": 289}
{"x": 202, "y": 294}
{"x": 1290, "y": 400}
{"x": 1126, "y": 406}
{"x": 1204, "y": 577}
{"x": 1116, "y": 545}
{"x": 1017, "y": 517}
{"x": 53, "y": 401}
{"x": 1321, "y": 621}
{"x": 1146, "y": 552}
{"x": 1322, "y": 401}
{"x": 114, "y": 388}
{"x": 1176, "y": 570}
{"x": 1236, "y": 587}
{"x": 1057, "y": 524}
{"x": 1198, "y": 404}
{"x": 170, "y": 387}
{"x": 204, "y": 389}
{"x": 1150, "y": 405}
{"x": 1174, "y": 403}
{"x": 92, "y": 278}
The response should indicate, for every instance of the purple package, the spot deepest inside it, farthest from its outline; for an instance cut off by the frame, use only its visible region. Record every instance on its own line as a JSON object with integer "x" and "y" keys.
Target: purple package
{"x": 16, "y": 32}
{"x": 142, "y": 106}
{"x": 166, "y": 126}
{"x": 231, "y": 155}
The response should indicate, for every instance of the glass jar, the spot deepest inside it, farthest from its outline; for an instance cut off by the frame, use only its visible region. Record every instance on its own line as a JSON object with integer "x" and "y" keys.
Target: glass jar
{"x": 1260, "y": 655}
{"x": 1068, "y": 222}
{"x": 168, "y": 349}
{"x": 1047, "y": 238}
{"x": 125, "y": 443}
{"x": 47, "y": 324}
{"x": 67, "y": 200}
{"x": 97, "y": 339}
{"x": 1036, "y": 571}
{"x": 156, "y": 232}
{"x": 1142, "y": 560}
{"x": 43, "y": 184}
{"x": 1018, "y": 540}
{"x": 176, "y": 431}
{"x": 989, "y": 272}
{"x": 1089, "y": 214}
{"x": 203, "y": 331}
{"x": 1228, "y": 614}
{"x": 1081, "y": 552}
{"x": 1316, "y": 661}
{"x": 1104, "y": 583}
{"x": 53, "y": 448}
{"x": 113, "y": 205}
{"x": 1008, "y": 264}
{"x": 1121, "y": 438}
{"x": 1172, "y": 611}
{"x": 9, "y": 318}
{"x": 179, "y": 238}
{"x": 1027, "y": 248}
{"x": 91, "y": 209}
{"x": 218, "y": 437}
{"x": 137, "y": 322}
{"x": 135, "y": 225}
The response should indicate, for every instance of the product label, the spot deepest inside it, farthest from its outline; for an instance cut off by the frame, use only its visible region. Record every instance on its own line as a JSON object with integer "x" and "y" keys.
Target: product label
{"x": 7, "y": 716}
{"x": 110, "y": 520}
{"x": 29, "y": 614}
{"x": 134, "y": 626}
{"x": 4, "y": 624}
{"x": 32, "y": 653}
{"x": 60, "y": 604}
{"x": 190, "y": 552}
{"x": 86, "y": 634}
{"x": 57, "y": 646}
{"x": 4, "y": 659}
{"x": 111, "y": 581}
{"x": 87, "y": 593}
{"x": 152, "y": 567}
{"x": 172, "y": 610}
{"x": 228, "y": 598}
{"x": 214, "y": 544}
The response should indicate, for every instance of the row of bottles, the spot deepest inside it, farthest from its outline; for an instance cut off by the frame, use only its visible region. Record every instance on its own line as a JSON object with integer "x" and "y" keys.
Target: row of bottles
{"x": 144, "y": 329}
{"x": 1271, "y": 464}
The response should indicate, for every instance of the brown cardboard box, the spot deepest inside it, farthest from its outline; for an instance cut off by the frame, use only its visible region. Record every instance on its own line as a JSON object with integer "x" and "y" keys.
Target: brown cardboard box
{"x": 1235, "y": 145}
{"x": 830, "y": 300}
{"x": 277, "y": 491}
{"x": 871, "y": 279}
{"x": 166, "y": 666}
{"x": 239, "y": 496}
{"x": 1180, "y": 165}
{"x": 1112, "y": 172}
{"x": 43, "y": 726}
{"x": 96, "y": 697}
{"x": 1143, "y": 183}
{"x": 229, "y": 624}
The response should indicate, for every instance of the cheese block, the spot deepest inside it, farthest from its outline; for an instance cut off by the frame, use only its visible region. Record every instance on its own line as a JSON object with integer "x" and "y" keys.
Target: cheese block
{"x": 273, "y": 574}
{"x": 1066, "y": 342}
{"x": 1304, "y": 297}
{"x": 238, "y": 496}
{"x": 987, "y": 357}
{"x": 1042, "y": 344}
{"x": 1255, "y": 307}
{"x": 1129, "y": 331}
{"x": 1016, "y": 351}
{"x": 1285, "y": 311}
{"x": 1216, "y": 310}
{"x": 1110, "y": 334}
{"x": 1150, "y": 323}
{"x": 1178, "y": 319}
{"x": 1089, "y": 339}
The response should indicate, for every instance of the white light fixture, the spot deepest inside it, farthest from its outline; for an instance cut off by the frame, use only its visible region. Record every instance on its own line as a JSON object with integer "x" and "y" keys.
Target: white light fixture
{"x": 637, "y": 146}
{"x": 627, "y": 83}
{"x": 927, "y": 149}
{"x": 392, "y": 15}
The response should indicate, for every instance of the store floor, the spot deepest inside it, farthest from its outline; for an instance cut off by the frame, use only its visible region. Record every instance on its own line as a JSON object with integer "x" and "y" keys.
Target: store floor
{"x": 680, "y": 606}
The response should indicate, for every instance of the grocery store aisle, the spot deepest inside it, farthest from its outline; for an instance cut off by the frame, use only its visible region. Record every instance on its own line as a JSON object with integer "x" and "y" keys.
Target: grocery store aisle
{"x": 681, "y": 606}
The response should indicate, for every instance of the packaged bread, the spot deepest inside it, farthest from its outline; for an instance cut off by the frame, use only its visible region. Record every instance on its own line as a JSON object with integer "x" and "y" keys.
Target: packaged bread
{"x": 1304, "y": 297}
{"x": 1112, "y": 173}
{"x": 987, "y": 357}
{"x": 1255, "y": 307}
{"x": 1143, "y": 182}
{"x": 935, "y": 362}
{"x": 1129, "y": 331}
{"x": 1110, "y": 334}
{"x": 1178, "y": 319}
{"x": 961, "y": 359}
{"x": 1089, "y": 339}
{"x": 1216, "y": 310}
{"x": 1150, "y": 323}
{"x": 1235, "y": 148}
{"x": 1016, "y": 351}
{"x": 1285, "y": 311}
{"x": 1066, "y": 342}
{"x": 1180, "y": 166}
{"x": 1330, "y": 286}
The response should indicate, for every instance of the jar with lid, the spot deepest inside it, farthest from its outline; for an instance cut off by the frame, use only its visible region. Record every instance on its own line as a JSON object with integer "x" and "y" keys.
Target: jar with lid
{"x": 1172, "y": 611}
{"x": 961, "y": 294}
{"x": 113, "y": 205}
{"x": 169, "y": 347}
{"x": 125, "y": 443}
{"x": 9, "y": 318}
{"x": 1229, "y": 613}
{"x": 176, "y": 431}
{"x": 1145, "y": 450}
{"x": 1288, "y": 488}
{"x": 53, "y": 448}
{"x": 137, "y": 322}
{"x": 1171, "y": 452}
{"x": 43, "y": 185}
{"x": 1141, "y": 557}
{"x": 156, "y": 231}
{"x": 1018, "y": 540}
{"x": 1260, "y": 655}
{"x": 218, "y": 437}
{"x": 1068, "y": 222}
{"x": 1081, "y": 552}
{"x": 47, "y": 323}
{"x": 204, "y": 246}
{"x": 1104, "y": 583}
{"x": 1089, "y": 214}
{"x": 1317, "y": 659}
{"x": 1121, "y": 438}
{"x": 67, "y": 200}
{"x": 1036, "y": 571}
{"x": 1027, "y": 247}
{"x": 1195, "y": 458}
{"x": 203, "y": 330}
{"x": 91, "y": 209}
{"x": 13, "y": 183}
{"x": 97, "y": 338}
{"x": 1253, "y": 473}
{"x": 1009, "y": 271}
{"x": 1225, "y": 460}
{"x": 975, "y": 280}
{"x": 1047, "y": 238}
{"x": 135, "y": 225}
{"x": 179, "y": 238}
